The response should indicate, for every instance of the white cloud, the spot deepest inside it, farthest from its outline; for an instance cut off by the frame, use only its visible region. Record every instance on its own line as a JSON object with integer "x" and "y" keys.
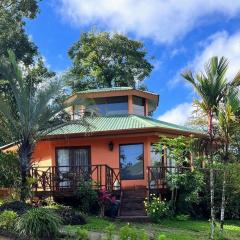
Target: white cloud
{"x": 179, "y": 114}
{"x": 219, "y": 44}
{"x": 161, "y": 20}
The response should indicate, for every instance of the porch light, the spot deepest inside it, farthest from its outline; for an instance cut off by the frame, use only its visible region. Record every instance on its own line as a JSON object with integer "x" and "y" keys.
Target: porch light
{"x": 110, "y": 146}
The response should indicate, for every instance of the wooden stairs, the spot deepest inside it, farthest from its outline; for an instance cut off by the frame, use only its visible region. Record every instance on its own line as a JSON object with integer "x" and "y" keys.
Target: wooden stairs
{"x": 132, "y": 205}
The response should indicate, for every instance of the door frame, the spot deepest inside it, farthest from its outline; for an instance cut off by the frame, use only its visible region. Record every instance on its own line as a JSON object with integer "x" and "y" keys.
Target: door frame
{"x": 73, "y": 147}
{"x": 120, "y": 169}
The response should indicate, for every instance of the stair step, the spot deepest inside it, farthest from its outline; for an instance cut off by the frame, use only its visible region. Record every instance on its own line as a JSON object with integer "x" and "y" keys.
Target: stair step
{"x": 143, "y": 218}
{"x": 135, "y": 200}
{"x": 133, "y": 213}
{"x": 132, "y": 202}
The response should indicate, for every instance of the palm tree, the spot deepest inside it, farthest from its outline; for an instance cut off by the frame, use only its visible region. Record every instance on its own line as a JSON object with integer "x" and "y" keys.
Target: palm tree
{"x": 228, "y": 122}
{"x": 211, "y": 87}
{"x": 26, "y": 115}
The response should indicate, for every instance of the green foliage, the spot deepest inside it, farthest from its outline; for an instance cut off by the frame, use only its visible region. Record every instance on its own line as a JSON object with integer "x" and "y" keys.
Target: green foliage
{"x": 7, "y": 219}
{"x": 156, "y": 208}
{"x": 82, "y": 234}
{"x": 127, "y": 232}
{"x": 130, "y": 233}
{"x": 110, "y": 230}
{"x": 104, "y": 60}
{"x": 68, "y": 214}
{"x": 9, "y": 170}
{"x": 179, "y": 148}
{"x": 26, "y": 126}
{"x": 86, "y": 197}
{"x": 13, "y": 15}
{"x": 161, "y": 237}
{"x": 16, "y": 206}
{"x": 182, "y": 217}
{"x": 39, "y": 223}
{"x": 142, "y": 235}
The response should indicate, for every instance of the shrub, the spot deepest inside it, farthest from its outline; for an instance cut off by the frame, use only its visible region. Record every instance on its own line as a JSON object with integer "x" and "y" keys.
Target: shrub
{"x": 86, "y": 197}
{"x": 182, "y": 217}
{"x": 39, "y": 223}
{"x": 128, "y": 233}
{"x": 68, "y": 215}
{"x": 161, "y": 237}
{"x": 109, "y": 230}
{"x": 9, "y": 170}
{"x": 142, "y": 235}
{"x": 16, "y": 206}
{"x": 7, "y": 219}
{"x": 82, "y": 234}
{"x": 156, "y": 208}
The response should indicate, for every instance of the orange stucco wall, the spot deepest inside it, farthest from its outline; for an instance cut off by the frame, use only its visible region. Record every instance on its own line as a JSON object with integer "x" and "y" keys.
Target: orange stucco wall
{"x": 44, "y": 153}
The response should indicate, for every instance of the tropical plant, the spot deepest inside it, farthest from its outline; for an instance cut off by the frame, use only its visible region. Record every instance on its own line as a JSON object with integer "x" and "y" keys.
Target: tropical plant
{"x": 101, "y": 59}
{"x": 161, "y": 236}
{"x": 211, "y": 87}
{"x": 178, "y": 152}
{"x": 228, "y": 122}
{"x": 110, "y": 230}
{"x": 8, "y": 219}
{"x": 9, "y": 170}
{"x": 105, "y": 199}
{"x": 68, "y": 214}
{"x": 82, "y": 234}
{"x": 128, "y": 232}
{"x": 28, "y": 118}
{"x": 16, "y": 206}
{"x": 39, "y": 223}
{"x": 86, "y": 197}
{"x": 156, "y": 208}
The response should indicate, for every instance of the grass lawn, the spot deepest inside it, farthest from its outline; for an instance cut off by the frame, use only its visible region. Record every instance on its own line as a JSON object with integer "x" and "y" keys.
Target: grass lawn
{"x": 173, "y": 229}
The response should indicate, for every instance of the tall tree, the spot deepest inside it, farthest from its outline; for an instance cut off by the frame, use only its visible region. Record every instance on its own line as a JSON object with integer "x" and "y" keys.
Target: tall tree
{"x": 228, "y": 121}
{"x": 13, "y": 16}
{"x": 27, "y": 119}
{"x": 105, "y": 60}
{"x": 211, "y": 87}
{"x": 12, "y": 33}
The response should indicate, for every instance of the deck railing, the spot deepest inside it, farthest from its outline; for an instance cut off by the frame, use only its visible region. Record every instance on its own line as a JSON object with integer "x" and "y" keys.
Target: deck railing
{"x": 158, "y": 176}
{"x": 69, "y": 178}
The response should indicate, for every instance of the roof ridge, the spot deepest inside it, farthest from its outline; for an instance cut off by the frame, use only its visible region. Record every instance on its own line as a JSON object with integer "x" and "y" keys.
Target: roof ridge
{"x": 114, "y": 89}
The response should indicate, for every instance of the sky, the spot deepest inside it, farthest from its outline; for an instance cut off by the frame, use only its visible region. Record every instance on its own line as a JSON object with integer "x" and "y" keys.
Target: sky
{"x": 180, "y": 35}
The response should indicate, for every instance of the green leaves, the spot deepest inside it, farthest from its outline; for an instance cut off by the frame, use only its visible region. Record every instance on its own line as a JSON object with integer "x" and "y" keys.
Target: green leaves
{"x": 101, "y": 60}
{"x": 210, "y": 85}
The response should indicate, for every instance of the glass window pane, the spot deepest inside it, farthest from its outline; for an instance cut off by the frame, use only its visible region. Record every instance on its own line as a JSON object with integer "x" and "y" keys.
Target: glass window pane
{"x": 112, "y": 105}
{"x": 131, "y": 161}
{"x": 138, "y": 106}
{"x": 156, "y": 157}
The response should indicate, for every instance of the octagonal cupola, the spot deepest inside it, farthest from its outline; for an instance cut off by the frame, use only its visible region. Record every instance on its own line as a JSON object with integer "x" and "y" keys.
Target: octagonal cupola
{"x": 113, "y": 101}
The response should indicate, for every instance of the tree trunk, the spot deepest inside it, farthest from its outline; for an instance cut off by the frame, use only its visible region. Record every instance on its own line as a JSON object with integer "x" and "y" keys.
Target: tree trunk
{"x": 224, "y": 190}
{"x": 223, "y": 203}
{"x": 210, "y": 132}
{"x": 212, "y": 223}
{"x": 25, "y": 154}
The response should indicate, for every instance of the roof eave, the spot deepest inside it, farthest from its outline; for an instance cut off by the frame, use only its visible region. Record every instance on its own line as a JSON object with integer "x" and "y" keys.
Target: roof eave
{"x": 157, "y": 130}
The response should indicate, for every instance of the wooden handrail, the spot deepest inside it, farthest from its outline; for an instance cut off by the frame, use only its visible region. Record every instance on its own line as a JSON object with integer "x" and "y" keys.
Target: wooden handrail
{"x": 68, "y": 178}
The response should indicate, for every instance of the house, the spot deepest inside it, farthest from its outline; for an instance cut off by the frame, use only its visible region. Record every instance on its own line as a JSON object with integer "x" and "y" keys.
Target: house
{"x": 112, "y": 149}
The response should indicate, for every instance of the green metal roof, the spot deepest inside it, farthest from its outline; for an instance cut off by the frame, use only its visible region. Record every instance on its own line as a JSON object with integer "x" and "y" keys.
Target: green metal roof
{"x": 116, "y": 123}
{"x": 112, "y": 89}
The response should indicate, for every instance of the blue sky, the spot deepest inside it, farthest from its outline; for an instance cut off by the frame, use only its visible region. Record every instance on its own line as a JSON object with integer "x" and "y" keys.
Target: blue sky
{"x": 179, "y": 34}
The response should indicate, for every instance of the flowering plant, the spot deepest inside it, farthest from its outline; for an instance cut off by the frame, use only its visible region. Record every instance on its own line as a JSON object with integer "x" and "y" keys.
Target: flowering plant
{"x": 105, "y": 199}
{"x": 156, "y": 208}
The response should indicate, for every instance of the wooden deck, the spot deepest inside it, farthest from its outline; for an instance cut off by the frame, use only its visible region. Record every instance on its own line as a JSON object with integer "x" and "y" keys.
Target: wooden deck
{"x": 65, "y": 180}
